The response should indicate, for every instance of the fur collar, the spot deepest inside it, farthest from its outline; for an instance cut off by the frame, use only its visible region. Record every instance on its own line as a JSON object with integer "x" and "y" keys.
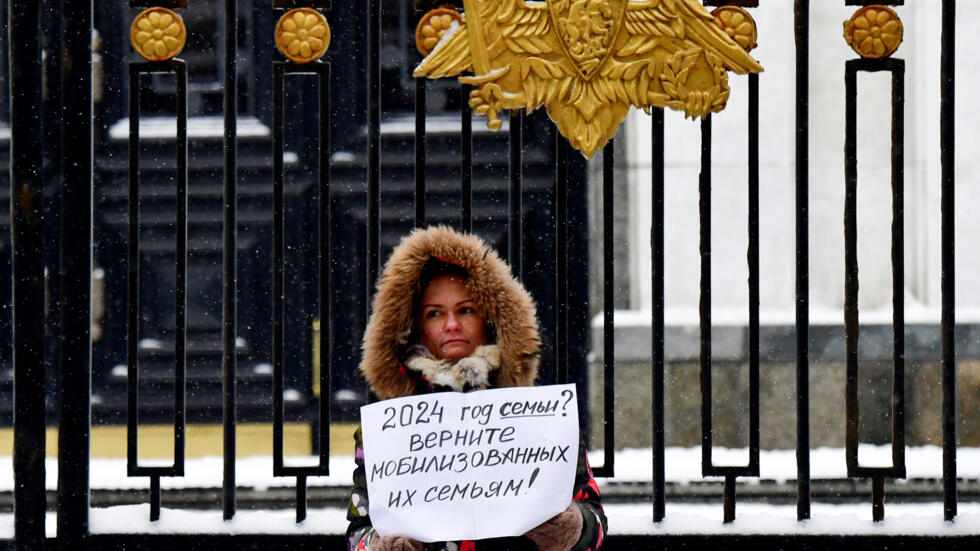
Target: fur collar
{"x": 509, "y": 307}
{"x": 469, "y": 373}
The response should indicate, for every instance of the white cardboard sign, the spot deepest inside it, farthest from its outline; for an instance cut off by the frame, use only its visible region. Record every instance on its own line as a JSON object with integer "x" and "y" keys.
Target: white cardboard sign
{"x": 452, "y": 466}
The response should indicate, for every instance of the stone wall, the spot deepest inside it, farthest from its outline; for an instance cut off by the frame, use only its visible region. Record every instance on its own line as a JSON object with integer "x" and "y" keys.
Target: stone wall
{"x": 730, "y": 374}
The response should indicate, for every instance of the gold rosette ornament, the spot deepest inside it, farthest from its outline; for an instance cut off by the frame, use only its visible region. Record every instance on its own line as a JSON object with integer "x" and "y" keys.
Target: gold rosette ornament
{"x": 738, "y": 24}
{"x": 303, "y": 35}
{"x": 433, "y": 26}
{"x": 158, "y": 34}
{"x": 874, "y": 31}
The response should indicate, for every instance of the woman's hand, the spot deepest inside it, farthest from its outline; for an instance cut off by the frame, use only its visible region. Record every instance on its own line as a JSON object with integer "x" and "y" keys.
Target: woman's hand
{"x": 560, "y": 532}
{"x": 395, "y": 543}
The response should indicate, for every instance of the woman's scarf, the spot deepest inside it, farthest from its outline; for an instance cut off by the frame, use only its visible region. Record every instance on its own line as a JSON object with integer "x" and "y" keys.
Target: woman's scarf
{"x": 469, "y": 373}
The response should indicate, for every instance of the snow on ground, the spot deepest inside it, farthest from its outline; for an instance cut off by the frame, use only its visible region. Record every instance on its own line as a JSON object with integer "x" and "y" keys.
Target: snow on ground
{"x": 206, "y": 472}
{"x": 135, "y": 519}
{"x": 682, "y": 464}
{"x": 826, "y": 519}
{"x": 921, "y": 519}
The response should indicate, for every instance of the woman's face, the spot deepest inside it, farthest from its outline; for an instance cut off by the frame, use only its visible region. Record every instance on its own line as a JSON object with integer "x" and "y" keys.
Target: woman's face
{"x": 449, "y": 323}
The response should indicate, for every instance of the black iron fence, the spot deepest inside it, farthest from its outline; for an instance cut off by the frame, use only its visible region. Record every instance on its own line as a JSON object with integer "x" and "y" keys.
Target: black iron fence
{"x": 558, "y": 234}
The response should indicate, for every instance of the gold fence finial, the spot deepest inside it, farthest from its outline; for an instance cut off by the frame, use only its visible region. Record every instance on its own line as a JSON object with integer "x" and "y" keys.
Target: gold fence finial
{"x": 158, "y": 34}
{"x": 739, "y": 24}
{"x": 874, "y": 31}
{"x": 433, "y": 26}
{"x": 303, "y": 35}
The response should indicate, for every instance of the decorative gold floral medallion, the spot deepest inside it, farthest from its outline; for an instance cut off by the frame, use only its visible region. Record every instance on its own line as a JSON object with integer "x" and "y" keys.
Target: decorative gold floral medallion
{"x": 433, "y": 26}
{"x": 158, "y": 34}
{"x": 303, "y": 35}
{"x": 739, "y": 25}
{"x": 874, "y": 31}
{"x": 588, "y": 61}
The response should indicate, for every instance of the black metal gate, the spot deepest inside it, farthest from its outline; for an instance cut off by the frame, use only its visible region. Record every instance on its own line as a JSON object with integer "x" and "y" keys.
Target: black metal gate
{"x": 349, "y": 173}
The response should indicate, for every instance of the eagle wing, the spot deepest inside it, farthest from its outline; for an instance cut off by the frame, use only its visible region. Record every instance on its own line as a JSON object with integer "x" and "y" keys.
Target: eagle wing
{"x": 664, "y": 41}
{"x": 677, "y": 25}
{"x": 522, "y": 52}
{"x": 523, "y": 28}
{"x": 450, "y": 56}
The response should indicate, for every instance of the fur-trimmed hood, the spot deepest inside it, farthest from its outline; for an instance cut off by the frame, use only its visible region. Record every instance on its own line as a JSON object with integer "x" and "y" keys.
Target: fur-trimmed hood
{"x": 508, "y": 306}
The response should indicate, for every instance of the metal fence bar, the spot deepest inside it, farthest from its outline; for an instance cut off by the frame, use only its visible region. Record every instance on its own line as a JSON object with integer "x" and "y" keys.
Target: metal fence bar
{"x": 172, "y": 4}
{"x": 739, "y": 3}
{"x": 851, "y": 269}
{"x": 872, "y": 2}
{"x": 278, "y": 261}
{"x": 898, "y": 264}
{"x": 27, "y": 231}
{"x": 373, "y": 148}
{"x": 300, "y": 498}
{"x": 52, "y": 160}
{"x": 290, "y": 4}
{"x": 515, "y": 230}
{"x": 802, "y": 34}
{"x": 6, "y": 72}
{"x": 561, "y": 258}
{"x": 608, "y": 468}
{"x": 179, "y": 69}
{"x": 752, "y": 256}
{"x": 466, "y": 157}
{"x": 947, "y": 137}
{"x": 325, "y": 232}
{"x": 230, "y": 239}
{"x": 280, "y": 70}
{"x": 753, "y": 261}
{"x": 851, "y": 321}
{"x": 180, "y": 276}
{"x": 657, "y": 324}
{"x": 76, "y": 263}
{"x": 420, "y": 153}
{"x": 704, "y": 309}
{"x": 154, "y": 497}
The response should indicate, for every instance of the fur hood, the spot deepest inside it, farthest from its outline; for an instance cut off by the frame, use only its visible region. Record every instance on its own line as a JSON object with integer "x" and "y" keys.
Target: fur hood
{"x": 510, "y": 309}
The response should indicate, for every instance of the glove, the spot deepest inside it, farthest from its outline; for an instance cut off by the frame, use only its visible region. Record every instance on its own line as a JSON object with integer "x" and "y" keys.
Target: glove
{"x": 394, "y": 543}
{"x": 560, "y": 532}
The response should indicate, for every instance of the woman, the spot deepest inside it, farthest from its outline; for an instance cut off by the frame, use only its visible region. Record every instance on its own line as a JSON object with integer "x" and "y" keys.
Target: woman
{"x": 448, "y": 315}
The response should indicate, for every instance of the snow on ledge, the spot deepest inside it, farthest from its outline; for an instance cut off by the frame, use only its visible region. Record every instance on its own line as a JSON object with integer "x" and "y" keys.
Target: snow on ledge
{"x": 135, "y": 519}
{"x": 918, "y": 519}
{"x": 683, "y": 465}
{"x": 208, "y": 127}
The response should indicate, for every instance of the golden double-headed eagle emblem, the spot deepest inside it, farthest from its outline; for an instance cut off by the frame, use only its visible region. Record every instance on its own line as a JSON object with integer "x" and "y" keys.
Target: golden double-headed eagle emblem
{"x": 588, "y": 61}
